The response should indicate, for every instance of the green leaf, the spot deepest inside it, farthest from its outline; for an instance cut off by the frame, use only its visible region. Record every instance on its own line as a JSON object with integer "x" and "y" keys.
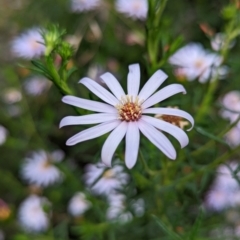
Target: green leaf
{"x": 71, "y": 71}
{"x": 197, "y": 224}
{"x": 209, "y": 135}
{"x": 169, "y": 232}
{"x": 39, "y": 65}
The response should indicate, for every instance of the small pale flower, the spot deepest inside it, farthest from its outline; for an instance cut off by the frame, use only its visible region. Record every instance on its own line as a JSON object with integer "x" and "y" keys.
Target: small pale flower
{"x": 40, "y": 169}
{"x": 231, "y": 104}
{"x": 103, "y": 180}
{"x": 36, "y": 85}
{"x": 218, "y": 41}
{"x": 125, "y": 114}
{"x": 117, "y": 210}
{"x": 78, "y": 204}
{"x": 217, "y": 200}
{"x": 31, "y": 214}
{"x": 3, "y": 134}
{"x": 12, "y": 95}
{"x": 225, "y": 191}
{"x": 233, "y": 136}
{"x": 193, "y": 61}
{"x": 225, "y": 179}
{"x": 84, "y": 5}
{"x": 133, "y": 8}
{"x": 29, "y": 44}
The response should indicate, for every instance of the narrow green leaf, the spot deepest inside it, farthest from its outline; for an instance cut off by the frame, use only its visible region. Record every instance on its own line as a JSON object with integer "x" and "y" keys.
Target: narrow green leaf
{"x": 197, "y": 224}
{"x": 169, "y": 232}
{"x": 209, "y": 135}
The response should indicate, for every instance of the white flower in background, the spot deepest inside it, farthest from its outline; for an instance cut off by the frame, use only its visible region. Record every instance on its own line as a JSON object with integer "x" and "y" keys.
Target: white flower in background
{"x": 2, "y": 237}
{"x": 218, "y": 41}
{"x": 193, "y": 61}
{"x": 36, "y": 85}
{"x": 117, "y": 210}
{"x": 31, "y": 214}
{"x": 29, "y": 44}
{"x": 94, "y": 72}
{"x": 103, "y": 180}
{"x": 78, "y": 204}
{"x": 11, "y": 96}
{"x": 40, "y": 169}
{"x": 84, "y": 5}
{"x": 231, "y": 103}
{"x": 225, "y": 191}
{"x": 133, "y": 8}
{"x": 139, "y": 207}
{"x": 225, "y": 179}
{"x": 125, "y": 114}
{"x": 233, "y": 136}
{"x": 3, "y": 134}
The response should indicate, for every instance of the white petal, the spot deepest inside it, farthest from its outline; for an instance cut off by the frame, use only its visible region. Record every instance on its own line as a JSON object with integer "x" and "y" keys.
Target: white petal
{"x": 157, "y": 138}
{"x": 133, "y": 81}
{"x": 171, "y": 111}
{"x": 99, "y": 91}
{"x": 93, "y": 132}
{"x": 88, "y": 119}
{"x": 112, "y": 142}
{"x": 175, "y": 131}
{"x": 132, "y": 144}
{"x": 113, "y": 85}
{"x": 164, "y": 93}
{"x": 152, "y": 84}
{"x": 89, "y": 104}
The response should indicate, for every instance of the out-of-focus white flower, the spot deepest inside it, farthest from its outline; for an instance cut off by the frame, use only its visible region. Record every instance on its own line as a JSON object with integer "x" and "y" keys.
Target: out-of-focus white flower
{"x": 29, "y": 44}
{"x": 233, "y": 136}
{"x": 217, "y": 200}
{"x": 116, "y": 210}
{"x": 225, "y": 191}
{"x": 125, "y": 115}
{"x": 133, "y": 8}
{"x": 94, "y": 72}
{"x": 225, "y": 179}
{"x": 84, "y": 5}
{"x": 78, "y": 204}
{"x": 31, "y": 214}
{"x": 57, "y": 156}
{"x": 231, "y": 101}
{"x": 139, "y": 207}
{"x": 12, "y": 95}
{"x": 109, "y": 179}
{"x": 3, "y": 134}
{"x": 193, "y": 61}
{"x": 36, "y": 85}
{"x": 218, "y": 41}
{"x": 40, "y": 170}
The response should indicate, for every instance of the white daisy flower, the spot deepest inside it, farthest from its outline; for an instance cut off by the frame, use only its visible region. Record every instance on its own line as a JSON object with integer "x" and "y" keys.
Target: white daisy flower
{"x": 29, "y": 44}
{"x": 40, "y": 170}
{"x": 117, "y": 210}
{"x": 36, "y": 85}
{"x": 3, "y": 134}
{"x": 193, "y": 61}
{"x": 102, "y": 180}
{"x": 84, "y": 5}
{"x": 31, "y": 214}
{"x": 78, "y": 204}
{"x": 125, "y": 114}
{"x": 231, "y": 101}
{"x": 133, "y": 8}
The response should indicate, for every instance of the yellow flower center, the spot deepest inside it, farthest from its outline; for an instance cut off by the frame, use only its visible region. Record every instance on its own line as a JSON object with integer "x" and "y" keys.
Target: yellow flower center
{"x": 129, "y": 109}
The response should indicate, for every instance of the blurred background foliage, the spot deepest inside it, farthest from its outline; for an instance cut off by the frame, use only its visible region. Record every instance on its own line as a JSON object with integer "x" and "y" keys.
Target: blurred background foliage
{"x": 108, "y": 41}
